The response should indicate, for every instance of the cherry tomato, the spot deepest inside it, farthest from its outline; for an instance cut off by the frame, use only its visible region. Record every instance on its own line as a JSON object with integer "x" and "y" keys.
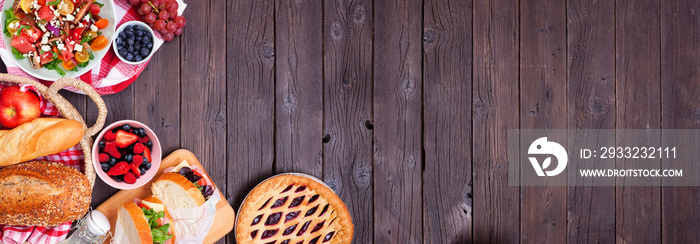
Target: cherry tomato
{"x": 46, "y": 13}
{"x": 76, "y": 34}
{"x": 41, "y": 2}
{"x": 90, "y": 34}
{"x": 47, "y": 57}
{"x": 65, "y": 7}
{"x": 95, "y": 9}
{"x": 101, "y": 24}
{"x": 22, "y": 44}
{"x": 26, "y": 5}
{"x": 82, "y": 56}
{"x": 14, "y": 26}
{"x": 99, "y": 43}
{"x": 68, "y": 64}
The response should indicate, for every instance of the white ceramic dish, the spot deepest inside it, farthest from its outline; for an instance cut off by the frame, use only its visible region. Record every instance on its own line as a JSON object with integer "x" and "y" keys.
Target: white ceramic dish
{"x": 107, "y": 12}
{"x": 121, "y": 28}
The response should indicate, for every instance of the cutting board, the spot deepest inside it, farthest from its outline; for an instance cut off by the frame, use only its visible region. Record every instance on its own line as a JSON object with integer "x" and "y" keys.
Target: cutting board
{"x": 223, "y": 220}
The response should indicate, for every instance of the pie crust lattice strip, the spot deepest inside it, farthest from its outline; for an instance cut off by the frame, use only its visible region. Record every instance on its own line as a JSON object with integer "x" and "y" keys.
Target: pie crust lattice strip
{"x": 293, "y": 209}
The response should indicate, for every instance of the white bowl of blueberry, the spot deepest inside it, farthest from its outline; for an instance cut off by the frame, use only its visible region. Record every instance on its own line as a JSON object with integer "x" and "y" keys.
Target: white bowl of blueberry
{"x": 133, "y": 42}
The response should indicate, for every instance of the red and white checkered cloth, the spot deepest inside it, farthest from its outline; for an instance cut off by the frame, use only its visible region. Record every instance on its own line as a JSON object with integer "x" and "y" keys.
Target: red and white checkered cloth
{"x": 111, "y": 75}
{"x": 72, "y": 157}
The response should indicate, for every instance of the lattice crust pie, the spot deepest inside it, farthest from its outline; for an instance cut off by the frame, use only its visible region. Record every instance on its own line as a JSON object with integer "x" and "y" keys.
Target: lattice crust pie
{"x": 292, "y": 209}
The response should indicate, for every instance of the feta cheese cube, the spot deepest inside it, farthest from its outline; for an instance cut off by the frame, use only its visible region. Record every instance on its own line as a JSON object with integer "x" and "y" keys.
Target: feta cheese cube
{"x": 93, "y": 28}
{"x": 70, "y": 17}
{"x": 44, "y": 39}
{"x": 45, "y": 48}
{"x": 78, "y": 48}
{"x": 60, "y": 46}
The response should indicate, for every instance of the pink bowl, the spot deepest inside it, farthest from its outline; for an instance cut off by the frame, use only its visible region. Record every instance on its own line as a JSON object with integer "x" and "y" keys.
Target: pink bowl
{"x": 156, "y": 155}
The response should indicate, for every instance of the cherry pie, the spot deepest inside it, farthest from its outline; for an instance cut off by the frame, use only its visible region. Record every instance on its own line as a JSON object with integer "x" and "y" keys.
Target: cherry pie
{"x": 293, "y": 209}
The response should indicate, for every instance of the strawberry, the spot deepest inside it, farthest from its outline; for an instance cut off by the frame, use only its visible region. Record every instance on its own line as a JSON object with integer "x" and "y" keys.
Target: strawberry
{"x": 109, "y": 136}
{"x": 103, "y": 157}
{"x": 124, "y": 139}
{"x": 138, "y": 160}
{"x": 129, "y": 178}
{"x": 138, "y": 148}
{"x": 147, "y": 154}
{"x": 111, "y": 149}
{"x": 119, "y": 169}
{"x": 144, "y": 139}
{"x": 135, "y": 170}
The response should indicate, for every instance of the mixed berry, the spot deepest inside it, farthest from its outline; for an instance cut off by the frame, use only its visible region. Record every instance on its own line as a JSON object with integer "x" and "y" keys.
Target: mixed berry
{"x": 125, "y": 153}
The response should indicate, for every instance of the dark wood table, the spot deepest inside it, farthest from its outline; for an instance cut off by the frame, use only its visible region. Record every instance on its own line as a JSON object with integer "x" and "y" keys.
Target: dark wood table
{"x": 403, "y": 107}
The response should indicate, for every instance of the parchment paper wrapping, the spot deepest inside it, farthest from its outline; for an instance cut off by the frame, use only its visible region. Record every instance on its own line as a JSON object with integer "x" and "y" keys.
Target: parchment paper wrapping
{"x": 191, "y": 225}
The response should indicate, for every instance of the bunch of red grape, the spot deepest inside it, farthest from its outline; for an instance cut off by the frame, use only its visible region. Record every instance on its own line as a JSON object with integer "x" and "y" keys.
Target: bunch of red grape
{"x": 162, "y": 16}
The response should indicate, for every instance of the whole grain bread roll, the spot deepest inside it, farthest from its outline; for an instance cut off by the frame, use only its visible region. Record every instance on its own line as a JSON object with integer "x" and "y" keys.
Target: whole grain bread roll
{"x": 42, "y": 194}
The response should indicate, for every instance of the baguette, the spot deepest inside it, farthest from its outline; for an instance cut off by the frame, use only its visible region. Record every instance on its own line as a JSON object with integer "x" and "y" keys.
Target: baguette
{"x": 134, "y": 223}
{"x": 42, "y": 194}
{"x": 176, "y": 191}
{"x": 37, "y": 138}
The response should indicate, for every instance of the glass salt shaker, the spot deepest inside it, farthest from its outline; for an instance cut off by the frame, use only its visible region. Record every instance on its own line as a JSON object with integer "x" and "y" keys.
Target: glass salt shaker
{"x": 93, "y": 228}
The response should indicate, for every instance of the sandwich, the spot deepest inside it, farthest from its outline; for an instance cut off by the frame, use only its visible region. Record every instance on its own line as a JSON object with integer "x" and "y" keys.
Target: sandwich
{"x": 144, "y": 223}
{"x": 182, "y": 187}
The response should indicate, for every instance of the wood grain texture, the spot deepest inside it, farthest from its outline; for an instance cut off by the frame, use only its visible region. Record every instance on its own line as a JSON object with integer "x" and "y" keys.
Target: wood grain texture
{"x": 495, "y": 104}
{"x": 250, "y": 91}
{"x": 203, "y": 107}
{"x": 397, "y": 122}
{"x": 680, "y": 99}
{"x": 299, "y": 87}
{"x": 347, "y": 96}
{"x": 638, "y": 209}
{"x": 591, "y": 105}
{"x": 543, "y": 102}
{"x": 121, "y": 107}
{"x": 447, "y": 102}
{"x": 156, "y": 90}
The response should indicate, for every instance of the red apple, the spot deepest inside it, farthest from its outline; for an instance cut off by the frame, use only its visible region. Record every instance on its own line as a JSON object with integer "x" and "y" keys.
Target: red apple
{"x": 17, "y": 107}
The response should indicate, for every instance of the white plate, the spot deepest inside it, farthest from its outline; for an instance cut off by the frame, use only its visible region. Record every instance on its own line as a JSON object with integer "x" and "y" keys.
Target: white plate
{"x": 107, "y": 12}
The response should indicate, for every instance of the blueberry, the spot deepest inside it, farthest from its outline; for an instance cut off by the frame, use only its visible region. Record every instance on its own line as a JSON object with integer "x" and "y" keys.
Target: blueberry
{"x": 142, "y": 131}
{"x": 105, "y": 167}
{"x": 126, "y": 127}
{"x": 129, "y": 57}
{"x": 112, "y": 161}
{"x": 138, "y": 58}
{"x": 130, "y": 41}
{"x": 130, "y": 50}
{"x": 143, "y": 171}
{"x": 101, "y": 144}
{"x": 130, "y": 148}
{"x": 137, "y": 28}
{"x": 129, "y": 33}
{"x": 137, "y": 46}
{"x": 119, "y": 41}
{"x": 149, "y": 144}
{"x": 138, "y": 39}
{"x": 129, "y": 158}
{"x": 122, "y": 52}
{"x": 122, "y": 35}
{"x": 149, "y": 45}
{"x": 148, "y": 165}
{"x": 145, "y": 161}
{"x": 118, "y": 178}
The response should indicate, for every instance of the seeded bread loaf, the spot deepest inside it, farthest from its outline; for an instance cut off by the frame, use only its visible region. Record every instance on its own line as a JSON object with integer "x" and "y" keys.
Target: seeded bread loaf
{"x": 42, "y": 194}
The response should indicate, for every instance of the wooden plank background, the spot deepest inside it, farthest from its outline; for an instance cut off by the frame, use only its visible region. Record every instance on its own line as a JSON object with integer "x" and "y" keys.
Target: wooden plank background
{"x": 403, "y": 108}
